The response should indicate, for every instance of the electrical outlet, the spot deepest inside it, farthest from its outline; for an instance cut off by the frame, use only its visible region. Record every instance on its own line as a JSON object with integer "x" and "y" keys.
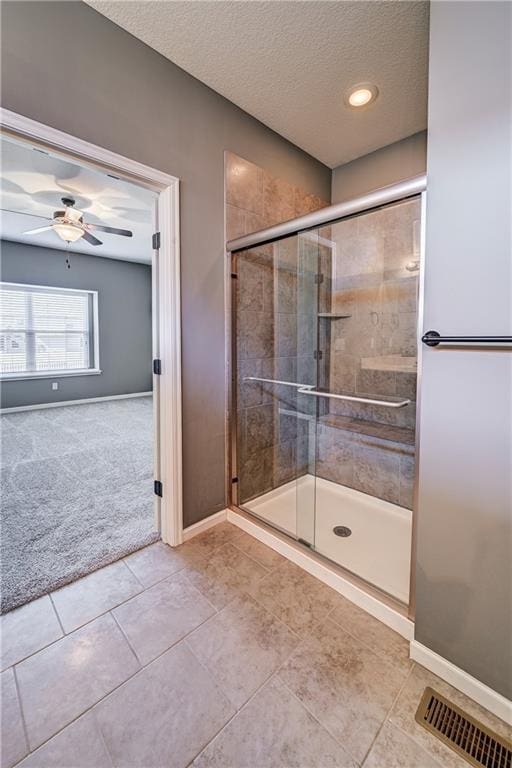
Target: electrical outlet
{"x": 55, "y": 384}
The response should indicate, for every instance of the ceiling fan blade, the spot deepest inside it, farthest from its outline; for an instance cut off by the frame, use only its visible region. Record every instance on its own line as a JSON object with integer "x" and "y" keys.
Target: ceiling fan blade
{"x": 36, "y": 231}
{"x": 111, "y": 230}
{"x": 24, "y": 213}
{"x": 91, "y": 239}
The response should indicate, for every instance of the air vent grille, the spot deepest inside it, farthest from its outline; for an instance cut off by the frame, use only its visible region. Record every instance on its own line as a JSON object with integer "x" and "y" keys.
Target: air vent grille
{"x": 467, "y": 736}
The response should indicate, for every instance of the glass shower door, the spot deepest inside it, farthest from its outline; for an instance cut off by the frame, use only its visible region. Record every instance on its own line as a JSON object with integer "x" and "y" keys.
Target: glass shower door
{"x": 275, "y": 313}
{"x": 325, "y": 355}
{"x": 365, "y": 430}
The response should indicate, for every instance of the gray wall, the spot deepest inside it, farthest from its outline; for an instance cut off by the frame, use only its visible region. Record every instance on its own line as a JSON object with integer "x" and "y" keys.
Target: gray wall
{"x": 388, "y": 165}
{"x": 128, "y": 98}
{"x": 124, "y": 311}
{"x": 464, "y": 545}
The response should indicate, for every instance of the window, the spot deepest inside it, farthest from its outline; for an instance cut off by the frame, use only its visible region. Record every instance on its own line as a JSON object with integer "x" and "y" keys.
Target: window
{"x": 47, "y": 331}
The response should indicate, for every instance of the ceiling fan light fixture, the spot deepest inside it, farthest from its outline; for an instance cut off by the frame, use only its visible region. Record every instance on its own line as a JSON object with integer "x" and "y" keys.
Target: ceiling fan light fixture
{"x": 68, "y": 232}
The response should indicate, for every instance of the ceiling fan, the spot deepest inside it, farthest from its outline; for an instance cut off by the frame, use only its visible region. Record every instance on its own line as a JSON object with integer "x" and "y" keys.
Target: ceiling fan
{"x": 69, "y": 225}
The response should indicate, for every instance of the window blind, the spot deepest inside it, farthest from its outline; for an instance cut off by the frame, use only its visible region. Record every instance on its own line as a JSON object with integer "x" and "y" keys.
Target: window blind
{"x": 44, "y": 329}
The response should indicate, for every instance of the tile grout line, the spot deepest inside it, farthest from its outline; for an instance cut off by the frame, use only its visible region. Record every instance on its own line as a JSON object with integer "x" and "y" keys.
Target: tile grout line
{"x": 103, "y": 613}
{"x": 22, "y": 713}
{"x": 130, "y": 677}
{"x": 271, "y": 612}
{"x": 388, "y": 712}
{"x": 417, "y": 743}
{"x": 142, "y": 667}
{"x": 196, "y": 589}
{"x": 98, "y": 616}
{"x": 58, "y": 619}
{"x": 99, "y": 731}
{"x": 132, "y": 649}
{"x": 123, "y": 560}
{"x": 322, "y": 725}
{"x": 106, "y": 695}
{"x": 244, "y": 705}
{"x": 384, "y": 657}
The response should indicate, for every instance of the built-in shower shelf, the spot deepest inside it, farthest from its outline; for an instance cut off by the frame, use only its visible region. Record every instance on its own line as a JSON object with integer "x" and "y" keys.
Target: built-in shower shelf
{"x": 332, "y": 315}
{"x": 396, "y": 363}
{"x": 383, "y": 432}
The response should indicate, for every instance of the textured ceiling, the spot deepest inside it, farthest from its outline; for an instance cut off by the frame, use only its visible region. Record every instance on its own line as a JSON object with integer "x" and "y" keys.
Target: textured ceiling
{"x": 32, "y": 184}
{"x": 289, "y": 63}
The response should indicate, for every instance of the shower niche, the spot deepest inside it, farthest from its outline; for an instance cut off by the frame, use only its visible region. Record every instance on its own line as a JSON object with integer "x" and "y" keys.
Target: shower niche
{"x": 324, "y": 356}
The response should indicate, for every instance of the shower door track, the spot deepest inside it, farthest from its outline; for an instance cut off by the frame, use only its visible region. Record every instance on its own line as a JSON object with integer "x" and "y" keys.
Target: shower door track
{"x": 369, "y": 202}
{"x": 379, "y": 198}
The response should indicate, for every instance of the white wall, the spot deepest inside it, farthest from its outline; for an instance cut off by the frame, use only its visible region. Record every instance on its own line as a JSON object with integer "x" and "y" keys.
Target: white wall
{"x": 464, "y": 574}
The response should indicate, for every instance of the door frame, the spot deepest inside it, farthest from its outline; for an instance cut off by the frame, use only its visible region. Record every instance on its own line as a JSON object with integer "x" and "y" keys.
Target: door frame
{"x": 166, "y": 308}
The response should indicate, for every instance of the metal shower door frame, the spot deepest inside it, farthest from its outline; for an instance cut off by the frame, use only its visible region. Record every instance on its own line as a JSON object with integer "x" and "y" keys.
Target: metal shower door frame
{"x": 395, "y": 193}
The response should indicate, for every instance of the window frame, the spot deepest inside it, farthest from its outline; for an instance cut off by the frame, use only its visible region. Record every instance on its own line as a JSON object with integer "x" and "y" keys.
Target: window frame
{"x": 94, "y": 347}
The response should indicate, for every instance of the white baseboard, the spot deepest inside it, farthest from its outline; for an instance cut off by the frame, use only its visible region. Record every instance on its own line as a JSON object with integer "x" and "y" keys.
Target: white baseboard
{"x": 40, "y": 406}
{"x": 385, "y": 613}
{"x": 482, "y": 694}
{"x": 203, "y": 525}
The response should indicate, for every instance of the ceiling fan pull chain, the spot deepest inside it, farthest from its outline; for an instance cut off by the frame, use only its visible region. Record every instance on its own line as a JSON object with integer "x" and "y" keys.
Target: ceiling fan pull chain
{"x": 68, "y": 263}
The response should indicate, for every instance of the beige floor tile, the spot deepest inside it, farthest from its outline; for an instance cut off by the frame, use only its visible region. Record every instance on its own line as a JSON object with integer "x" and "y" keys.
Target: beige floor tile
{"x": 224, "y": 574}
{"x": 162, "y": 615}
{"x": 62, "y": 681}
{"x": 205, "y": 543}
{"x": 263, "y": 555}
{"x": 393, "y": 749}
{"x": 241, "y": 647}
{"x": 13, "y": 745}
{"x": 154, "y": 563}
{"x": 165, "y": 715}
{"x": 158, "y": 561}
{"x": 26, "y": 630}
{"x": 295, "y": 597}
{"x": 380, "y": 638}
{"x": 404, "y": 711}
{"x": 89, "y": 597}
{"x": 274, "y": 731}
{"x": 346, "y": 686}
{"x": 80, "y": 745}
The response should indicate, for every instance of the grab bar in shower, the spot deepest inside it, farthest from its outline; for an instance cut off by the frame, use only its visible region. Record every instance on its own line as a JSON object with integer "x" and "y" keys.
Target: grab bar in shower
{"x": 276, "y": 381}
{"x": 433, "y": 339}
{"x": 354, "y": 399}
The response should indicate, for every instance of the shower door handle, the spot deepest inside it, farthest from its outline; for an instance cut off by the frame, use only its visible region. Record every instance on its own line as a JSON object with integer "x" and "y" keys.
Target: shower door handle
{"x": 354, "y": 399}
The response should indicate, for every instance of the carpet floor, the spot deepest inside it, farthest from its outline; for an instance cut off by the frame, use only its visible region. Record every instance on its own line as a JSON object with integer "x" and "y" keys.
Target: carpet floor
{"x": 77, "y": 493}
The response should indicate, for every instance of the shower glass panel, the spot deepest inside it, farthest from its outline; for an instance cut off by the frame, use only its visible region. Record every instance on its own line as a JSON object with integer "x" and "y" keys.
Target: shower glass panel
{"x": 325, "y": 356}
{"x": 275, "y": 309}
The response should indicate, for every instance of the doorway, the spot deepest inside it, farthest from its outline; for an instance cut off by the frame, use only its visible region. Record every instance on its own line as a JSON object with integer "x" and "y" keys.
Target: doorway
{"x": 87, "y": 476}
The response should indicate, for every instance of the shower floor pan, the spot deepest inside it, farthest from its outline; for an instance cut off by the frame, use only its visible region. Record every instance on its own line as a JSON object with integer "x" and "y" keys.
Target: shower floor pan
{"x": 378, "y": 548}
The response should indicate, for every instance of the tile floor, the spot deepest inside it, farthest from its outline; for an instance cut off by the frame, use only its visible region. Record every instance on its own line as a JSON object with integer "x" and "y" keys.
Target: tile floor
{"x": 219, "y": 654}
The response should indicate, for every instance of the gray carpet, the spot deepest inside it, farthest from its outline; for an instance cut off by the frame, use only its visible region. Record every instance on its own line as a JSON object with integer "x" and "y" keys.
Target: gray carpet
{"x": 77, "y": 493}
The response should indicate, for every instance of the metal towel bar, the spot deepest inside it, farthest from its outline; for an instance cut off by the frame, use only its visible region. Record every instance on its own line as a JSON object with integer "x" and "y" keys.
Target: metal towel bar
{"x": 276, "y": 381}
{"x": 433, "y": 339}
{"x": 307, "y": 389}
{"x": 354, "y": 399}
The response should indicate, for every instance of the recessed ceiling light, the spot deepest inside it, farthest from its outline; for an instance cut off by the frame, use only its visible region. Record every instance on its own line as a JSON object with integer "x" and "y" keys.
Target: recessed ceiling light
{"x": 361, "y": 95}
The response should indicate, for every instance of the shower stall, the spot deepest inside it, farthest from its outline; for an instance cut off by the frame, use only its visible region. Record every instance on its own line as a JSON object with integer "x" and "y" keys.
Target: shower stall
{"x": 324, "y": 370}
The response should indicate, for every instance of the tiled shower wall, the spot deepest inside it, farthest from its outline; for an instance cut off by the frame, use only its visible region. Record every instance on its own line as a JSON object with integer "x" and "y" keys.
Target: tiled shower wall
{"x": 275, "y": 327}
{"x": 373, "y": 352}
